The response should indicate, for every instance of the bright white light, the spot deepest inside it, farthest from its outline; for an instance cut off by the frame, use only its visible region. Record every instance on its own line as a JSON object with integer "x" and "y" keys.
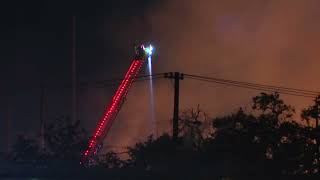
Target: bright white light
{"x": 149, "y": 50}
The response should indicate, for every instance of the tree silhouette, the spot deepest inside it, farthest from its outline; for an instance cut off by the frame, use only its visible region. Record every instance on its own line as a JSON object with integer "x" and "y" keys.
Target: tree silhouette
{"x": 272, "y": 108}
{"x": 111, "y": 160}
{"x": 267, "y": 143}
{"x": 25, "y": 149}
{"x": 312, "y": 112}
{"x": 152, "y": 153}
{"x": 65, "y": 140}
{"x": 194, "y": 126}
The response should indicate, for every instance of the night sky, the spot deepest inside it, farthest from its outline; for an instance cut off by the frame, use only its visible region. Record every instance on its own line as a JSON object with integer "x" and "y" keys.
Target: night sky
{"x": 264, "y": 41}
{"x": 36, "y": 43}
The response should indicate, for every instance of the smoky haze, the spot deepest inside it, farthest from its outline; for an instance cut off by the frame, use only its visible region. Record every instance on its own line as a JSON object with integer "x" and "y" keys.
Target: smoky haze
{"x": 268, "y": 42}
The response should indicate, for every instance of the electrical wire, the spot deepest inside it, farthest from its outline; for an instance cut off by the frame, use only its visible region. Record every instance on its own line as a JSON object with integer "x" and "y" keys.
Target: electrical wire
{"x": 239, "y": 84}
{"x": 253, "y": 86}
{"x": 115, "y": 82}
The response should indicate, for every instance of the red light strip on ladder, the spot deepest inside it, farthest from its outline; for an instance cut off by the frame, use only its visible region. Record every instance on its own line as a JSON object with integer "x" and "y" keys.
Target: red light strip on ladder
{"x": 113, "y": 109}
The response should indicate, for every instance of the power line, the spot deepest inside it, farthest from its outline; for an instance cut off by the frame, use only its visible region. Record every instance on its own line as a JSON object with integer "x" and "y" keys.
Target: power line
{"x": 239, "y": 84}
{"x": 115, "y": 82}
{"x": 253, "y": 86}
{"x": 259, "y": 88}
{"x": 256, "y": 84}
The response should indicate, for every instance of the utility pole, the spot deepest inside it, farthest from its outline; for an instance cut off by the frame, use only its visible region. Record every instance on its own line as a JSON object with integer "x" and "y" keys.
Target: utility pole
{"x": 177, "y": 76}
{"x": 74, "y": 72}
{"x": 8, "y": 125}
{"x": 318, "y": 114}
{"x": 42, "y": 114}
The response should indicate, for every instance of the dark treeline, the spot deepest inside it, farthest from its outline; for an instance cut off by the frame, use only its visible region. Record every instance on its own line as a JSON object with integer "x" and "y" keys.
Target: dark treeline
{"x": 266, "y": 143}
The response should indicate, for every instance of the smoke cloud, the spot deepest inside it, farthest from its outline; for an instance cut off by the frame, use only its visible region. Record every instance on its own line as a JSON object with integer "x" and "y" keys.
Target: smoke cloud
{"x": 268, "y": 42}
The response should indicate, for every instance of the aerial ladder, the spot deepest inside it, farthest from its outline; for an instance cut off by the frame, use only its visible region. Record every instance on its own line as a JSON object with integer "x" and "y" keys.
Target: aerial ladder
{"x": 142, "y": 53}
